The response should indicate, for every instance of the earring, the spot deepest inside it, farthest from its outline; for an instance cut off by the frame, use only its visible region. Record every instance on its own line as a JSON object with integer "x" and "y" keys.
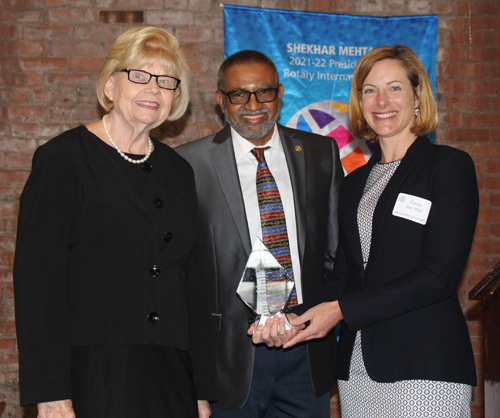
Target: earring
{"x": 417, "y": 112}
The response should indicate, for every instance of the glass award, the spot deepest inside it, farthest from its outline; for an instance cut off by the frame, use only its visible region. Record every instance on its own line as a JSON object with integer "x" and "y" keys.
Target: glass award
{"x": 265, "y": 286}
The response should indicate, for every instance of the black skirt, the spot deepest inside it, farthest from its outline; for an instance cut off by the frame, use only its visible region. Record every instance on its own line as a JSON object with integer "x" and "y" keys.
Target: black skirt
{"x": 143, "y": 381}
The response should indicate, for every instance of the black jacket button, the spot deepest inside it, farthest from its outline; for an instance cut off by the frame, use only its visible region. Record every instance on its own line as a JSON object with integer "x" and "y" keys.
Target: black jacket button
{"x": 154, "y": 270}
{"x": 250, "y": 321}
{"x": 158, "y": 203}
{"x": 147, "y": 168}
{"x": 167, "y": 237}
{"x": 153, "y": 317}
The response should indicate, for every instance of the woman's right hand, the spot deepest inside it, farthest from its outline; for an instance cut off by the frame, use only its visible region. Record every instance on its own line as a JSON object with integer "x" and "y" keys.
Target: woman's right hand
{"x": 56, "y": 409}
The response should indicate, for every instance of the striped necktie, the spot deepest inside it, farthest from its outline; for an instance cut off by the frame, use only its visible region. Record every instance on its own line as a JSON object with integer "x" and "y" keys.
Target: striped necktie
{"x": 272, "y": 216}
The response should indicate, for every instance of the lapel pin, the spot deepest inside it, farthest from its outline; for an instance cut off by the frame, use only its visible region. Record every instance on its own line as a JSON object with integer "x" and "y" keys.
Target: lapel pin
{"x": 298, "y": 148}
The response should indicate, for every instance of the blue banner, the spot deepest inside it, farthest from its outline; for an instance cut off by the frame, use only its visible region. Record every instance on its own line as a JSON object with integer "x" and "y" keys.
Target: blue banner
{"x": 316, "y": 53}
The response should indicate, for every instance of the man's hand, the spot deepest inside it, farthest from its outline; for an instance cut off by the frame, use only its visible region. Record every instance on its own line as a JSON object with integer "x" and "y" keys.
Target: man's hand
{"x": 204, "y": 410}
{"x": 273, "y": 333}
{"x": 56, "y": 409}
{"x": 322, "y": 317}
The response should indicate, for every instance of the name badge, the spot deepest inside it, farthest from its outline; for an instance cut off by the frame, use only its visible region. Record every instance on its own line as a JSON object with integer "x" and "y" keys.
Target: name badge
{"x": 413, "y": 208}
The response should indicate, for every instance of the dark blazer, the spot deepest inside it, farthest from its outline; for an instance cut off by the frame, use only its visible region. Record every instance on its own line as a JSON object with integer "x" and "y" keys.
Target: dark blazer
{"x": 405, "y": 301}
{"x": 85, "y": 245}
{"x": 220, "y": 346}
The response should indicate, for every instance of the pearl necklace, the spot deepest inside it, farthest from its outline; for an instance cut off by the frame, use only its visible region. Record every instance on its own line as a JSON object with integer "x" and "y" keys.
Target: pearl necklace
{"x": 130, "y": 160}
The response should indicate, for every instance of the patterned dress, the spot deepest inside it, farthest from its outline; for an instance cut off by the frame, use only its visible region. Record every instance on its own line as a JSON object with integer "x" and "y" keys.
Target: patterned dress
{"x": 360, "y": 396}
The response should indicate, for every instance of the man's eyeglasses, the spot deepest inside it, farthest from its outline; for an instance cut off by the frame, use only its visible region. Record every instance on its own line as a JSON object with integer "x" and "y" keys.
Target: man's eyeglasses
{"x": 143, "y": 77}
{"x": 241, "y": 97}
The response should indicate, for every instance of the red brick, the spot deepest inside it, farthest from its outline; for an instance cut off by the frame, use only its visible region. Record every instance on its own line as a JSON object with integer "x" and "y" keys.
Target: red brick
{"x": 9, "y": 63}
{"x": 65, "y": 79}
{"x": 452, "y": 102}
{"x": 86, "y": 64}
{"x": 66, "y": 16}
{"x": 48, "y": 32}
{"x": 26, "y": 112}
{"x": 73, "y": 3}
{"x": 450, "y": 119}
{"x": 13, "y": 176}
{"x": 488, "y": 183}
{"x": 494, "y": 199}
{"x": 484, "y": 86}
{"x": 7, "y": 344}
{"x": 485, "y": 22}
{"x": 495, "y": 39}
{"x": 482, "y": 230}
{"x": 42, "y": 64}
{"x": 7, "y": 328}
{"x": 482, "y": 150}
{"x": 10, "y": 31}
{"x": 17, "y": 145}
{"x": 194, "y": 34}
{"x": 484, "y": 54}
{"x": 488, "y": 215}
{"x": 482, "y": 120}
{"x": 7, "y": 291}
{"x": 31, "y": 16}
{"x": 488, "y": 8}
{"x": 492, "y": 166}
{"x": 450, "y": 86}
{"x": 454, "y": 69}
{"x": 22, "y": 47}
{"x": 479, "y": 102}
{"x": 17, "y": 95}
{"x": 441, "y": 7}
{"x": 450, "y": 54}
{"x": 77, "y": 48}
{"x": 176, "y": 18}
{"x": 451, "y": 22}
{"x": 18, "y": 160}
{"x": 495, "y": 102}
{"x": 464, "y": 7}
{"x": 92, "y": 32}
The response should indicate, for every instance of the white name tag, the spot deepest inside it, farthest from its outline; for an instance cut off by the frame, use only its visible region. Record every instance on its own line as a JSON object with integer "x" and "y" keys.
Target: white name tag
{"x": 413, "y": 208}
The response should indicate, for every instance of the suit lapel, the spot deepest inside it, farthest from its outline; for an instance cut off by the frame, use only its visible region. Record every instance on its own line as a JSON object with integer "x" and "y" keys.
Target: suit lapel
{"x": 227, "y": 173}
{"x": 297, "y": 169}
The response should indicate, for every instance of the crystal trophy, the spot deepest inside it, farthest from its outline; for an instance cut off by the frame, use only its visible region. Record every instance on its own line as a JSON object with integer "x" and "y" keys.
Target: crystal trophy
{"x": 265, "y": 286}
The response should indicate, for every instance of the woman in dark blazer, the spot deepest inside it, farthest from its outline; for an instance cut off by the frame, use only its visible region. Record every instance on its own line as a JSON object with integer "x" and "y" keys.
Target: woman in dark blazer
{"x": 407, "y": 220}
{"x": 107, "y": 224}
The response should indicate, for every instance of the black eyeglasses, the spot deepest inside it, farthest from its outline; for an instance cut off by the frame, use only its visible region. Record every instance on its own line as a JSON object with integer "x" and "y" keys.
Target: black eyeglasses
{"x": 143, "y": 77}
{"x": 241, "y": 97}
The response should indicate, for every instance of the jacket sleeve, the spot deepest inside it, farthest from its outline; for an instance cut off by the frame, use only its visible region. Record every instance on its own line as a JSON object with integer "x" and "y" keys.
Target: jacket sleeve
{"x": 448, "y": 239}
{"x": 47, "y": 210}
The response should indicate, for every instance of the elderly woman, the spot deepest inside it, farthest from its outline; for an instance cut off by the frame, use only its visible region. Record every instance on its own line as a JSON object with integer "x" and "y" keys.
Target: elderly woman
{"x": 407, "y": 220}
{"x": 106, "y": 226}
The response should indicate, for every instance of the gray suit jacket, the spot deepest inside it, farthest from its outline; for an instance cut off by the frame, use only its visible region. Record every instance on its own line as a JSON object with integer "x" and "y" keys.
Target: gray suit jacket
{"x": 223, "y": 354}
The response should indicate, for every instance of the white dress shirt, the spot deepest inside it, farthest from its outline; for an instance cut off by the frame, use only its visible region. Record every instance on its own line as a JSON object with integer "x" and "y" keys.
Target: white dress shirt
{"x": 247, "y": 172}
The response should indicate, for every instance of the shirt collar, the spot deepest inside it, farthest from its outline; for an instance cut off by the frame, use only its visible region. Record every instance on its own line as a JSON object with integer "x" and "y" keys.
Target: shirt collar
{"x": 242, "y": 146}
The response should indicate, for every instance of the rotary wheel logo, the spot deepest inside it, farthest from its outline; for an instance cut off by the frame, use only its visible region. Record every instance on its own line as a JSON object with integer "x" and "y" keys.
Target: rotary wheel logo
{"x": 329, "y": 118}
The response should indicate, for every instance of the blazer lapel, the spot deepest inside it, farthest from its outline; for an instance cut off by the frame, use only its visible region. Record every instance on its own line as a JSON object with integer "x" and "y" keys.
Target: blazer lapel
{"x": 225, "y": 168}
{"x": 385, "y": 202}
{"x": 297, "y": 169}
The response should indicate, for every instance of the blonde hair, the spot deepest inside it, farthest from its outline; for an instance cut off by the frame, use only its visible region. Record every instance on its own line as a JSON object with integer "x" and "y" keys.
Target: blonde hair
{"x": 425, "y": 123}
{"x": 142, "y": 47}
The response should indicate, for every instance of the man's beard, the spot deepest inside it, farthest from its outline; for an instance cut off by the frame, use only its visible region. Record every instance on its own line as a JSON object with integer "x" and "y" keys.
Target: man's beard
{"x": 249, "y": 131}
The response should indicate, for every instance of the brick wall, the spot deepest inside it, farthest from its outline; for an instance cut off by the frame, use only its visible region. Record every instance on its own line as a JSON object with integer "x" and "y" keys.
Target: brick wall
{"x": 50, "y": 51}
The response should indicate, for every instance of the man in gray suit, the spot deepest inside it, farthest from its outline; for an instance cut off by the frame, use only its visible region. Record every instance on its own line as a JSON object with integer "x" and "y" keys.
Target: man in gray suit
{"x": 244, "y": 379}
